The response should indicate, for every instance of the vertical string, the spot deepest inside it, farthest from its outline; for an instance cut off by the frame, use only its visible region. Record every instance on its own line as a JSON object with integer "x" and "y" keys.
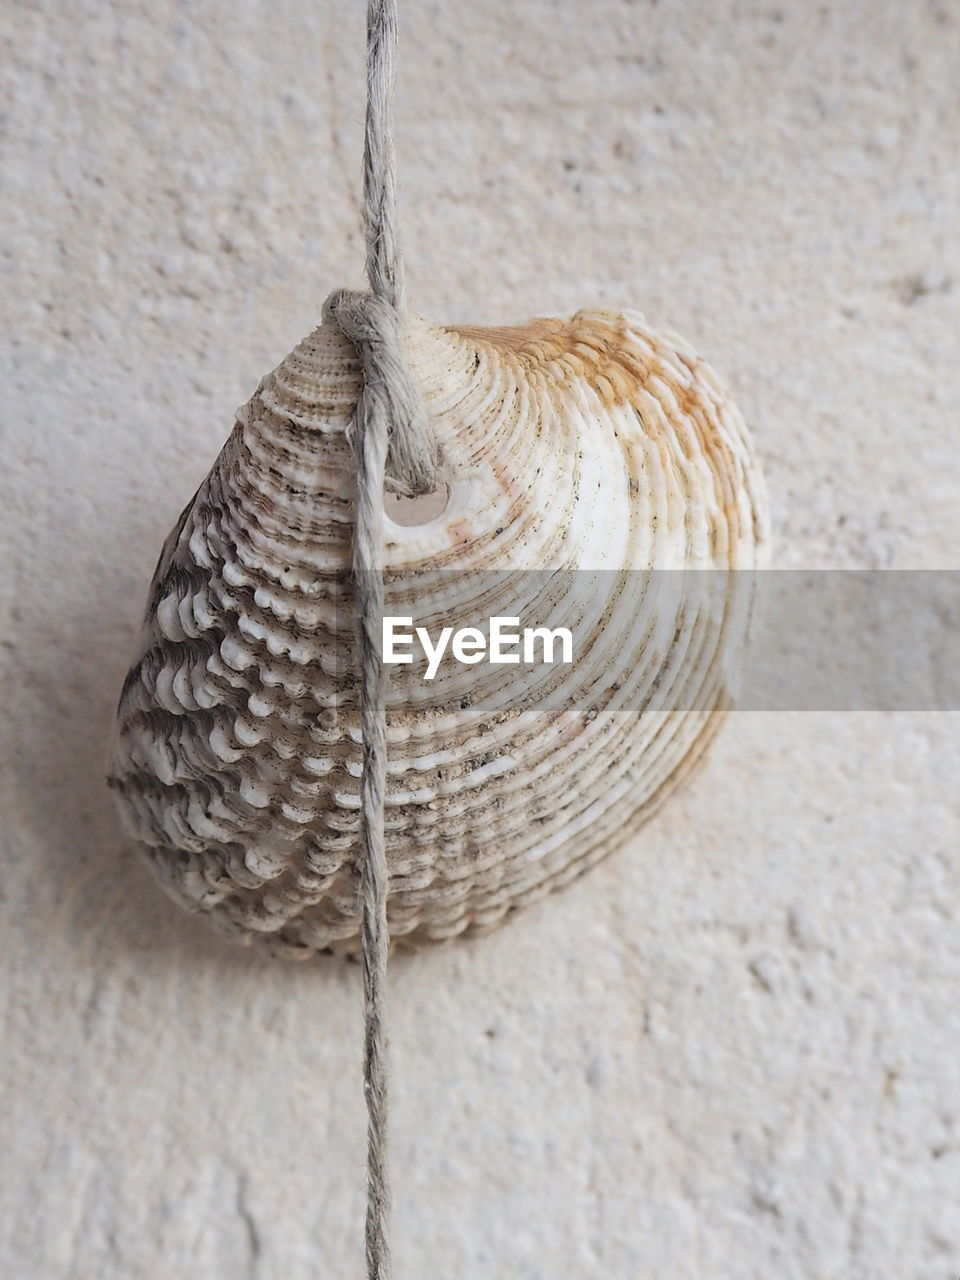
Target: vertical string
{"x": 384, "y": 272}
{"x": 374, "y": 875}
{"x": 391, "y": 437}
{"x": 384, "y": 265}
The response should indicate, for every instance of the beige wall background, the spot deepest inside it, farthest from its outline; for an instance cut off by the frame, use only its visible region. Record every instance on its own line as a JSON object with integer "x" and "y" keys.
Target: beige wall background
{"x": 730, "y": 1051}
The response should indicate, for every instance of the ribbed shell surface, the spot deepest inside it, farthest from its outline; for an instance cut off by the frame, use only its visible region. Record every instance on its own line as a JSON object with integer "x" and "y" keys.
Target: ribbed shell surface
{"x": 586, "y": 446}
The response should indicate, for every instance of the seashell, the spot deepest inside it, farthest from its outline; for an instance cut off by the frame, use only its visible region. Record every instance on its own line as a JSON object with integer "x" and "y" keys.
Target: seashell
{"x": 574, "y": 451}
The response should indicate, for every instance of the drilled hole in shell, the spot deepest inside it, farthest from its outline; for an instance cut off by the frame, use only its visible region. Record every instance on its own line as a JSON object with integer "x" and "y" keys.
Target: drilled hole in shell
{"x": 423, "y": 509}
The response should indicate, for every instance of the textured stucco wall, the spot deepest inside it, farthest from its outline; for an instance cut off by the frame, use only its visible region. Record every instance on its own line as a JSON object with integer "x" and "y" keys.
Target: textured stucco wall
{"x": 732, "y": 1050}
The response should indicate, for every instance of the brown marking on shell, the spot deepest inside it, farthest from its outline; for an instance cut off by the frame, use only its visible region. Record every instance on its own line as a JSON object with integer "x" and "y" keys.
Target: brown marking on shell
{"x": 590, "y": 345}
{"x": 517, "y": 337}
{"x": 459, "y": 530}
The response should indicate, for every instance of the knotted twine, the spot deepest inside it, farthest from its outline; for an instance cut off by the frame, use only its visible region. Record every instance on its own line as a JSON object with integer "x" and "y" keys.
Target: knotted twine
{"x": 392, "y": 445}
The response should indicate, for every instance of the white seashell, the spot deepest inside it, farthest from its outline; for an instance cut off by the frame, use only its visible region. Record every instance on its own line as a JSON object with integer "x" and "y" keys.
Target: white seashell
{"x": 591, "y": 444}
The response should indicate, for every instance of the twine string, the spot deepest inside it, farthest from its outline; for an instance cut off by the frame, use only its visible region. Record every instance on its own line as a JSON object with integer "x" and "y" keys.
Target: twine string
{"x": 393, "y": 446}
